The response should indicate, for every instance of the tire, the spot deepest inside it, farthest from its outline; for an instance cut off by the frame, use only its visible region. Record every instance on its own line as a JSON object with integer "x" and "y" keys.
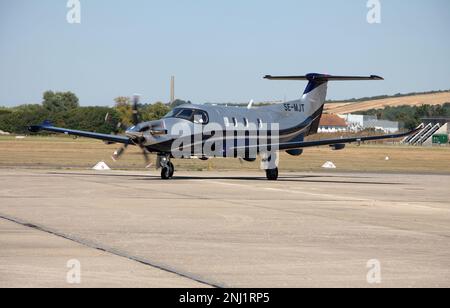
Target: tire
{"x": 172, "y": 169}
{"x": 165, "y": 173}
{"x": 272, "y": 174}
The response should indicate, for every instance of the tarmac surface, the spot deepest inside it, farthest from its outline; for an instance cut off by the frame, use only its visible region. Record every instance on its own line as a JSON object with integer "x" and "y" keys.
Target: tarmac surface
{"x": 224, "y": 229}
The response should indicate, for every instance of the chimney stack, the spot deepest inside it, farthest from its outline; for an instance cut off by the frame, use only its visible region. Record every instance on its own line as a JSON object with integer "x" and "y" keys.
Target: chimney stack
{"x": 172, "y": 89}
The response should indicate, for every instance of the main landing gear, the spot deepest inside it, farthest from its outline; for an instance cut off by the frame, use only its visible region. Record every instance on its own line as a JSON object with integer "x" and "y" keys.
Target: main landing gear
{"x": 272, "y": 174}
{"x": 269, "y": 162}
{"x": 167, "y": 168}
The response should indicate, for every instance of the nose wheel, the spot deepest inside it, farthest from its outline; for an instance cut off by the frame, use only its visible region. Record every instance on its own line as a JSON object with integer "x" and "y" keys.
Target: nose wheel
{"x": 167, "y": 171}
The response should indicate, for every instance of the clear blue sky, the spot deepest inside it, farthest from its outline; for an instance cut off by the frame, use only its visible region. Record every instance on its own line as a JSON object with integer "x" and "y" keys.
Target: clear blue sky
{"x": 218, "y": 50}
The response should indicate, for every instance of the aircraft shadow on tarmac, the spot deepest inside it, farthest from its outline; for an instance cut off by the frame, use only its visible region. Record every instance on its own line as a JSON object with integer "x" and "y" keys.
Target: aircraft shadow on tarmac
{"x": 299, "y": 179}
{"x": 286, "y": 178}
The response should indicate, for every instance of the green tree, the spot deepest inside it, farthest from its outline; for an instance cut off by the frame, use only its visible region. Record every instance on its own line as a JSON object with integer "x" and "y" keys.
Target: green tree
{"x": 154, "y": 111}
{"x": 4, "y": 110}
{"x": 21, "y": 117}
{"x": 124, "y": 110}
{"x": 60, "y": 101}
{"x": 411, "y": 116}
{"x": 92, "y": 119}
{"x": 28, "y": 108}
{"x": 147, "y": 112}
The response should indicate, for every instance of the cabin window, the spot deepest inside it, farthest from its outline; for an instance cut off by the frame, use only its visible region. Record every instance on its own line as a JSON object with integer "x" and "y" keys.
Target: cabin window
{"x": 260, "y": 123}
{"x": 235, "y": 122}
{"x": 245, "y": 122}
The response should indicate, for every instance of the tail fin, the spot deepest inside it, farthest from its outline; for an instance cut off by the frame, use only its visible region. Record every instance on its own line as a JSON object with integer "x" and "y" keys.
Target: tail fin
{"x": 315, "y": 93}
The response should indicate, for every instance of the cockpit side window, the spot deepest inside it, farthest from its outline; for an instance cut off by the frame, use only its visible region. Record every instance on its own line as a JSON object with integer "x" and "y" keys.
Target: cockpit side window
{"x": 201, "y": 117}
{"x": 172, "y": 113}
{"x": 196, "y": 116}
{"x": 186, "y": 114}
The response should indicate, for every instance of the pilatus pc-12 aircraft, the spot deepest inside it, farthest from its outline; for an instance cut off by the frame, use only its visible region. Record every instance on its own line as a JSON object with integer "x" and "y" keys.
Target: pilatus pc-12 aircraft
{"x": 205, "y": 131}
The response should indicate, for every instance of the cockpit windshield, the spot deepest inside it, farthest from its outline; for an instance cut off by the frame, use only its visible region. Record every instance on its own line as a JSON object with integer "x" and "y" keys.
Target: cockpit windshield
{"x": 196, "y": 116}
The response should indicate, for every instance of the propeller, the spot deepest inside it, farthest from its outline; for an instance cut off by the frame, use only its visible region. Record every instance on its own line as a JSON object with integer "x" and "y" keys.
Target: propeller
{"x": 119, "y": 126}
{"x": 138, "y": 141}
{"x": 135, "y": 107}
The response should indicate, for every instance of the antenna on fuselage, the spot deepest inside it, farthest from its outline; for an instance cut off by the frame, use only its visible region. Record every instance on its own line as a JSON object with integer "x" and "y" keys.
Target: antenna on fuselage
{"x": 250, "y": 104}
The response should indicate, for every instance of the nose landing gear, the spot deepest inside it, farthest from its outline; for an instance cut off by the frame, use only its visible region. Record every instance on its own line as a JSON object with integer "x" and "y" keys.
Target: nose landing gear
{"x": 167, "y": 168}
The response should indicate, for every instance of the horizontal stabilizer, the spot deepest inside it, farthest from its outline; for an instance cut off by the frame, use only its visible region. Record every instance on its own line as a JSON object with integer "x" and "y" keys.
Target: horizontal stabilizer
{"x": 323, "y": 77}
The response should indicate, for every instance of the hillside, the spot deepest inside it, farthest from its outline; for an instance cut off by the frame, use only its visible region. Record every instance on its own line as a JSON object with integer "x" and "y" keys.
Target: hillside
{"x": 412, "y": 100}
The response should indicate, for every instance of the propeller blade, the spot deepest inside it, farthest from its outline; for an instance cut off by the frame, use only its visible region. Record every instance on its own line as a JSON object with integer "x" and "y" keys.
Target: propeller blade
{"x": 138, "y": 140}
{"x": 148, "y": 162}
{"x": 158, "y": 162}
{"x": 118, "y": 154}
{"x": 136, "y": 109}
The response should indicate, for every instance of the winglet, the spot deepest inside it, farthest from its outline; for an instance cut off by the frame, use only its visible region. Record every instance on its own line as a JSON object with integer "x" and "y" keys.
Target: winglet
{"x": 38, "y": 128}
{"x": 34, "y": 128}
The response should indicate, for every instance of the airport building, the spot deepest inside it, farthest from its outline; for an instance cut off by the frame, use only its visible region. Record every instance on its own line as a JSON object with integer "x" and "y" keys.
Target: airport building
{"x": 357, "y": 123}
{"x": 332, "y": 123}
{"x": 433, "y": 131}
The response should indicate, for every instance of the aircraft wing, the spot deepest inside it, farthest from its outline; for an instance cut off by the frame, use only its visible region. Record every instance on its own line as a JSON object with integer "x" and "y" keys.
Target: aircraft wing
{"x": 47, "y": 126}
{"x": 330, "y": 142}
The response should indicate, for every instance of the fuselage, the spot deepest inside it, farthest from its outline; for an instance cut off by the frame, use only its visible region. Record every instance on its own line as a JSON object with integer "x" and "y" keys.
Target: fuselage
{"x": 291, "y": 120}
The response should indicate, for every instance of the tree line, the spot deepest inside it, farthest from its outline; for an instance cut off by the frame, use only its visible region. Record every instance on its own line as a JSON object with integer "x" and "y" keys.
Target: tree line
{"x": 379, "y": 97}
{"x": 411, "y": 116}
{"x": 63, "y": 110}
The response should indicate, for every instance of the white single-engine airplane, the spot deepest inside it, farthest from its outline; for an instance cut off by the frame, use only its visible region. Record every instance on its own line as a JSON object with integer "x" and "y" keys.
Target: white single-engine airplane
{"x": 205, "y": 131}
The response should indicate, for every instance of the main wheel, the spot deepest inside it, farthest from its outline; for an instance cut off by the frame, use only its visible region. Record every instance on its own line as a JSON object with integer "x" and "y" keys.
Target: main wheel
{"x": 272, "y": 174}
